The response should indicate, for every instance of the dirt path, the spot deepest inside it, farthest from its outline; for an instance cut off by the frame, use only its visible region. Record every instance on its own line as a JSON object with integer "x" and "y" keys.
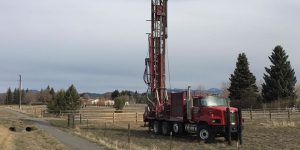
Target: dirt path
{"x": 73, "y": 142}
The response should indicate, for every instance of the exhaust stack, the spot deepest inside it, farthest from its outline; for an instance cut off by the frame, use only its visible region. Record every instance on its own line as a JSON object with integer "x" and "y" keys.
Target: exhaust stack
{"x": 189, "y": 104}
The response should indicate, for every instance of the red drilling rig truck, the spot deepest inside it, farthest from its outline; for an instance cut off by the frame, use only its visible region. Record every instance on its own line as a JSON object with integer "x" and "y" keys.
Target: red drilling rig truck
{"x": 181, "y": 113}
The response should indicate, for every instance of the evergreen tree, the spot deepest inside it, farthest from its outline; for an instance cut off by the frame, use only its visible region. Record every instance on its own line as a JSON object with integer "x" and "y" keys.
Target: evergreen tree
{"x": 243, "y": 90}
{"x": 52, "y": 93}
{"x": 72, "y": 98}
{"x": 15, "y": 97}
{"x": 23, "y": 93}
{"x": 48, "y": 88}
{"x": 9, "y": 97}
{"x": 280, "y": 78}
{"x": 115, "y": 94}
{"x": 58, "y": 104}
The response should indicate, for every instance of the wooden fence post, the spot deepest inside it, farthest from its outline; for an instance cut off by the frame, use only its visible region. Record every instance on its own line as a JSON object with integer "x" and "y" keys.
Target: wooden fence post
{"x": 87, "y": 122}
{"x": 136, "y": 117}
{"x": 113, "y": 117}
{"x": 129, "y": 133}
{"x": 270, "y": 115}
{"x": 42, "y": 113}
{"x": 80, "y": 118}
{"x": 289, "y": 115}
{"x": 251, "y": 114}
{"x": 105, "y": 129}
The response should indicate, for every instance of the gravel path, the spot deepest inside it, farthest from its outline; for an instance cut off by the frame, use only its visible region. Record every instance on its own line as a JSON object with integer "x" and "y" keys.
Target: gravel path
{"x": 72, "y": 141}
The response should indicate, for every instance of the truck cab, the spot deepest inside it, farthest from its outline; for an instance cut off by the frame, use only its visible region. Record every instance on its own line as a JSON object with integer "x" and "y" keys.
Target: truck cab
{"x": 210, "y": 113}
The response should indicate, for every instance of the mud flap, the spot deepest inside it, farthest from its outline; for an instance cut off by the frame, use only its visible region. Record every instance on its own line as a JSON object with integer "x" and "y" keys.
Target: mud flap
{"x": 228, "y": 126}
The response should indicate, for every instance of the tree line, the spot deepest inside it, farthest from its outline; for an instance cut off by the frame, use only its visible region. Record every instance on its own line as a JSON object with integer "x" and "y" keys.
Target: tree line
{"x": 279, "y": 82}
{"x": 28, "y": 96}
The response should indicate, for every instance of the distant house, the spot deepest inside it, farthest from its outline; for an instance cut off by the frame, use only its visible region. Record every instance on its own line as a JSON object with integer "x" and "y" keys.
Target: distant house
{"x": 94, "y": 101}
{"x": 109, "y": 102}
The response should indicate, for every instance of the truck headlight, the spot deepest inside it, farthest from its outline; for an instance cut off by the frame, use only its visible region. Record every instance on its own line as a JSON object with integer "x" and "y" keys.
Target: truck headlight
{"x": 216, "y": 121}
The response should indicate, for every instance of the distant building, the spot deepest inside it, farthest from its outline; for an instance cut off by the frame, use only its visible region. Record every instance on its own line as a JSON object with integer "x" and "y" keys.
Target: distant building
{"x": 109, "y": 102}
{"x": 94, "y": 101}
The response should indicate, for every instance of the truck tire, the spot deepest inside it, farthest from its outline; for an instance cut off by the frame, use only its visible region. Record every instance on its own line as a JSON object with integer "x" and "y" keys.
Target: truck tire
{"x": 206, "y": 134}
{"x": 177, "y": 128}
{"x": 165, "y": 128}
{"x": 156, "y": 127}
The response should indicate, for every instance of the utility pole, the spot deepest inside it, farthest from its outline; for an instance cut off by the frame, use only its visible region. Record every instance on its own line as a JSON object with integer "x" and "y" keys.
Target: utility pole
{"x": 20, "y": 91}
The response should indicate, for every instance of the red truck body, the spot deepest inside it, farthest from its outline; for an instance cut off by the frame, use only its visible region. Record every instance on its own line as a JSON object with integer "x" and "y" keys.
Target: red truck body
{"x": 206, "y": 120}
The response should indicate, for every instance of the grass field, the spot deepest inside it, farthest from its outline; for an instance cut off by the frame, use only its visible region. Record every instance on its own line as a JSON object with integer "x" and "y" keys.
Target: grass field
{"x": 21, "y": 139}
{"x": 259, "y": 133}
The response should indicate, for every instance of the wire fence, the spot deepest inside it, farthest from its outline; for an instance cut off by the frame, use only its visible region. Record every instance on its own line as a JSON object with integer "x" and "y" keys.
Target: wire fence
{"x": 109, "y": 115}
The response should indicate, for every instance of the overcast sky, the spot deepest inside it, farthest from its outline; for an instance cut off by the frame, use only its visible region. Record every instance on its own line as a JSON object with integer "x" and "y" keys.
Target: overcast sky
{"x": 100, "y": 45}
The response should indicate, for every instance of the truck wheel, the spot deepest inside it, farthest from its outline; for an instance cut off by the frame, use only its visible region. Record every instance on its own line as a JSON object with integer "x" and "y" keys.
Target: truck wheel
{"x": 157, "y": 127}
{"x": 206, "y": 134}
{"x": 165, "y": 128}
{"x": 177, "y": 128}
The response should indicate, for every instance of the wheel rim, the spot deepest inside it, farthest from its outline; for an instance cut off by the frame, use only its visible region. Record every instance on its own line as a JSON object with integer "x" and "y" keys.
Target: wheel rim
{"x": 175, "y": 128}
{"x": 204, "y": 134}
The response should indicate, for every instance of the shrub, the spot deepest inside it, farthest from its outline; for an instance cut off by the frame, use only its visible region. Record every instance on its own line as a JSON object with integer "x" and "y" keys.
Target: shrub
{"x": 119, "y": 103}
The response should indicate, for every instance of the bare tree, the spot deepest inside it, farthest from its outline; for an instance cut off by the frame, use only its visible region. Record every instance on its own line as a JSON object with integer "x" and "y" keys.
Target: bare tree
{"x": 224, "y": 88}
{"x": 30, "y": 97}
{"x": 259, "y": 85}
{"x": 200, "y": 90}
{"x": 44, "y": 96}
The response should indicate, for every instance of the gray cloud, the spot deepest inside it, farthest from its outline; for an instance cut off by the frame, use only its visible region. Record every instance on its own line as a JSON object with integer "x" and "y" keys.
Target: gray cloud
{"x": 101, "y": 45}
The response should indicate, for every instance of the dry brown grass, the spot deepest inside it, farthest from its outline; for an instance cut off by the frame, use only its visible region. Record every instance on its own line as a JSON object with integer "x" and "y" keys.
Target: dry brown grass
{"x": 260, "y": 133}
{"x": 6, "y": 141}
{"x": 22, "y": 140}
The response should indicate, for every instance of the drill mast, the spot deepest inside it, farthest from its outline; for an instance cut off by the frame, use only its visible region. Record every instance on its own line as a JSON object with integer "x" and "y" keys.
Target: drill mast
{"x": 155, "y": 65}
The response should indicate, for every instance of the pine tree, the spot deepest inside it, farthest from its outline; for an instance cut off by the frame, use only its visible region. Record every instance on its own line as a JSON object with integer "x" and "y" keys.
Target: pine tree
{"x": 115, "y": 94}
{"x": 52, "y": 93}
{"x": 58, "y": 104}
{"x": 9, "y": 97}
{"x": 243, "y": 90}
{"x": 48, "y": 88}
{"x": 72, "y": 98}
{"x": 280, "y": 78}
{"x": 15, "y": 97}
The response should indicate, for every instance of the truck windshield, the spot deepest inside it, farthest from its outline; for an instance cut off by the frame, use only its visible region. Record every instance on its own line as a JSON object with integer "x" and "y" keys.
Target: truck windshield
{"x": 213, "y": 101}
